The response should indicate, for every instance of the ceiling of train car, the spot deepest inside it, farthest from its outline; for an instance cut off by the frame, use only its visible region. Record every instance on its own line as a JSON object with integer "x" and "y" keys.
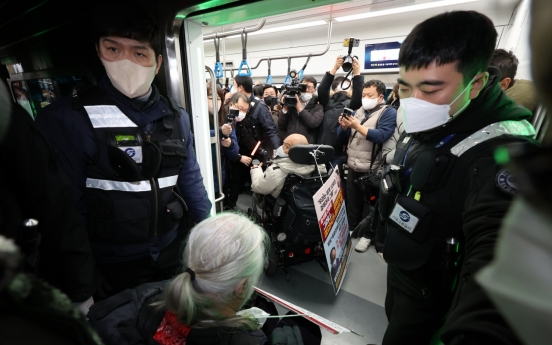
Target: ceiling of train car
{"x": 319, "y": 16}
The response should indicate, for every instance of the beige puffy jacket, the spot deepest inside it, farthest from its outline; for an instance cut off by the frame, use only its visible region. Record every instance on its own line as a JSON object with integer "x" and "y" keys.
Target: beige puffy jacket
{"x": 272, "y": 180}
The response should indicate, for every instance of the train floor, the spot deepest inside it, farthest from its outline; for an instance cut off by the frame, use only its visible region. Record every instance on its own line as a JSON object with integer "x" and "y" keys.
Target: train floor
{"x": 359, "y": 304}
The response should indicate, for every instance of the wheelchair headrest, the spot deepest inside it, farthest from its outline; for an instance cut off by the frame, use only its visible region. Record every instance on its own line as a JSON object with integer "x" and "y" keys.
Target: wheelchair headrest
{"x": 304, "y": 154}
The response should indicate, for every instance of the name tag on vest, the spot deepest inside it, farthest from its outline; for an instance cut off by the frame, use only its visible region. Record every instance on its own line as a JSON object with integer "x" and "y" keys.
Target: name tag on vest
{"x": 404, "y": 218}
{"x": 134, "y": 152}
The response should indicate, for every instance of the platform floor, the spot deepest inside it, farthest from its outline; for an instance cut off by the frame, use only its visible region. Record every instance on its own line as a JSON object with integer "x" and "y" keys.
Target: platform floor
{"x": 358, "y": 306}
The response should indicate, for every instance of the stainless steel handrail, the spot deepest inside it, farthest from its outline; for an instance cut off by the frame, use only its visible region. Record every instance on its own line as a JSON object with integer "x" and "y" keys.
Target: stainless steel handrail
{"x": 282, "y": 57}
{"x": 217, "y": 137}
{"x": 236, "y": 31}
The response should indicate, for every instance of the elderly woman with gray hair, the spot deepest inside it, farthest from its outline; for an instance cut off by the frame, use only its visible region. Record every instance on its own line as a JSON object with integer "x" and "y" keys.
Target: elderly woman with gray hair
{"x": 202, "y": 304}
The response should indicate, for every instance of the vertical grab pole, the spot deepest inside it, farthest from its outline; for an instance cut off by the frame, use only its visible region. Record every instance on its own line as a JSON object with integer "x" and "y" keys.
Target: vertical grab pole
{"x": 217, "y": 136}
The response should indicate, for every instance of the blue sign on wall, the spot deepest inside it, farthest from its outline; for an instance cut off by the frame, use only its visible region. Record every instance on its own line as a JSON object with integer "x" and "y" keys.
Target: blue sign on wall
{"x": 381, "y": 55}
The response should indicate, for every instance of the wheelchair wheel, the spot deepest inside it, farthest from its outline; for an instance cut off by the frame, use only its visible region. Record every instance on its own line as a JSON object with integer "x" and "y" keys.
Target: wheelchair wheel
{"x": 271, "y": 267}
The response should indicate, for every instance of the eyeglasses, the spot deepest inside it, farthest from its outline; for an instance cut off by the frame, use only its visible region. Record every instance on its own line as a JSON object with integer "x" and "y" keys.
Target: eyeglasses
{"x": 310, "y": 87}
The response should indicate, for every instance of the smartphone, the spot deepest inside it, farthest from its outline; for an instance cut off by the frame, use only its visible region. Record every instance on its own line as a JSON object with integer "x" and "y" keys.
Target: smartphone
{"x": 255, "y": 162}
{"x": 348, "y": 112}
{"x": 352, "y": 42}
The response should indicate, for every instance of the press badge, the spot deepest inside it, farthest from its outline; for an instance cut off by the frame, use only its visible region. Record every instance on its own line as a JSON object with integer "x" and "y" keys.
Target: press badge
{"x": 134, "y": 152}
{"x": 404, "y": 218}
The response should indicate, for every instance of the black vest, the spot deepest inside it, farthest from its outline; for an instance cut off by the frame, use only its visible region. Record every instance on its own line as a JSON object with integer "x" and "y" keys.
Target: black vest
{"x": 131, "y": 185}
{"x": 429, "y": 190}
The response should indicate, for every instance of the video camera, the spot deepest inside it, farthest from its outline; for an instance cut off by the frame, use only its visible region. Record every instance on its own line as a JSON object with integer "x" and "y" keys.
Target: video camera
{"x": 271, "y": 101}
{"x": 232, "y": 115}
{"x": 230, "y": 119}
{"x": 348, "y": 59}
{"x": 291, "y": 90}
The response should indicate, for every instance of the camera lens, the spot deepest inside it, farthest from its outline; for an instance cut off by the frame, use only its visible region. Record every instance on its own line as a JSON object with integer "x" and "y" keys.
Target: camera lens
{"x": 347, "y": 63}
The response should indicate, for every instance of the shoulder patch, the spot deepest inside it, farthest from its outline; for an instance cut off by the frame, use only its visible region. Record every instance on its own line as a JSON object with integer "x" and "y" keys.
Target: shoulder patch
{"x": 506, "y": 182}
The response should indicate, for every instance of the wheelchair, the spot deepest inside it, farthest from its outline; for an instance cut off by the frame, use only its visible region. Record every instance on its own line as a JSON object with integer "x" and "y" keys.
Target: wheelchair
{"x": 290, "y": 220}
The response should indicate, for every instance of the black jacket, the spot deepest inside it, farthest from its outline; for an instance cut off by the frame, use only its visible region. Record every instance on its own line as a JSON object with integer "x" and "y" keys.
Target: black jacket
{"x": 305, "y": 123}
{"x": 129, "y": 319}
{"x": 333, "y": 107}
{"x": 34, "y": 185}
{"x": 466, "y": 204}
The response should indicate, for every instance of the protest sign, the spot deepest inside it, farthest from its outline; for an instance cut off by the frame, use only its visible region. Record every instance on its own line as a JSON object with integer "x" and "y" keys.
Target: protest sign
{"x": 334, "y": 227}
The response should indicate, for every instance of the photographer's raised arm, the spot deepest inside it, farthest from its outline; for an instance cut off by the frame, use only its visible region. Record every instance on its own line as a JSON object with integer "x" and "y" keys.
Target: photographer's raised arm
{"x": 337, "y": 65}
{"x": 325, "y": 86}
{"x": 358, "y": 81}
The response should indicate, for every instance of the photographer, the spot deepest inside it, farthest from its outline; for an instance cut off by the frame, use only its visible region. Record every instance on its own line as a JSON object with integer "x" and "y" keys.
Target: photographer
{"x": 335, "y": 103}
{"x": 307, "y": 114}
{"x": 371, "y": 126}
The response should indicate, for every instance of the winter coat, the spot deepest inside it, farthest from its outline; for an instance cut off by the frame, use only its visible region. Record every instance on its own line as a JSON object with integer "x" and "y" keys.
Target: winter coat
{"x": 273, "y": 179}
{"x": 305, "y": 123}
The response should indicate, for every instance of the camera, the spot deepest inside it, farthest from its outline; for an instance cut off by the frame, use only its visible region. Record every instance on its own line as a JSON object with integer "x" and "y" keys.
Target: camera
{"x": 291, "y": 90}
{"x": 271, "y": 101}
{"x": 232, "y": 115}
{"x": 348, "y": 59}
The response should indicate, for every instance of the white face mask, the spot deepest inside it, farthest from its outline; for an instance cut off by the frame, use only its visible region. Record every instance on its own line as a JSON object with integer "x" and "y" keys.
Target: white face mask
{"x": 234, "y": 89}
{"x": 369, "y": 103}
{"x": 280, "y": 152}
{"x": 241, "y": 116}
{"x": 419, "y": 115}
{"x": 131, "y": 79}
{"x": 306, "y": 97}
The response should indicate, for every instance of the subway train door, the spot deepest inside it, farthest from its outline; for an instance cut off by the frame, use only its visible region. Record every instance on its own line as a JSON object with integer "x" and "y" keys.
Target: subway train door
{"x": 185, "y": 60}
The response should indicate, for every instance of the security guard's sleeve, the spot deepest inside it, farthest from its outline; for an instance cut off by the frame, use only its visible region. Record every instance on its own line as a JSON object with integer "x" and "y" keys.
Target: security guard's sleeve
{"x": 473, "y": 319}
{"x": 190, "y": 180}
{"x": 42, "y": 191}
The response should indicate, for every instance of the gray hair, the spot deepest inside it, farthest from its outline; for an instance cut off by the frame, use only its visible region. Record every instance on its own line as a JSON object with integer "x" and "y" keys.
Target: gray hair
{"x": 222, "y": 251}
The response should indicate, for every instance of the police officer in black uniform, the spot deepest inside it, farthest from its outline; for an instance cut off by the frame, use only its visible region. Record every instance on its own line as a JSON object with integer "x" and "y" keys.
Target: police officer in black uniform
{"x": 443, "y": 198}
{"x": 129, "y": 154}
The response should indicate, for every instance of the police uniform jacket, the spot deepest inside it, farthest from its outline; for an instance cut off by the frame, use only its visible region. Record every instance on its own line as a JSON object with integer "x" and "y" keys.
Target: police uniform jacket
{"x": 451, "y": 187}
{"x": 34, "y": 185}
{"x": 128, "y": 165}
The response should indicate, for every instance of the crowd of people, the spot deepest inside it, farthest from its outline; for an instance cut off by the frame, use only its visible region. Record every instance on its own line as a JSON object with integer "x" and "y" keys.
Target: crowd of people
{"x": 119, "y": 184}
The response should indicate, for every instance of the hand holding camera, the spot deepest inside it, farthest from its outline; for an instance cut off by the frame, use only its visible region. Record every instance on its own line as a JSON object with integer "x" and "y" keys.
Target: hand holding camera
{"x": 226, "y": 129}
{"x": 338, "y": 64}
{"x": 226, "y": 142}
{"x": 292, "y": 93}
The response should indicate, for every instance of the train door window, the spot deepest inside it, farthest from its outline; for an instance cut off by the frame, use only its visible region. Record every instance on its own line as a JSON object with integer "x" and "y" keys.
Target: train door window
{"x": 35, "y": 94}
